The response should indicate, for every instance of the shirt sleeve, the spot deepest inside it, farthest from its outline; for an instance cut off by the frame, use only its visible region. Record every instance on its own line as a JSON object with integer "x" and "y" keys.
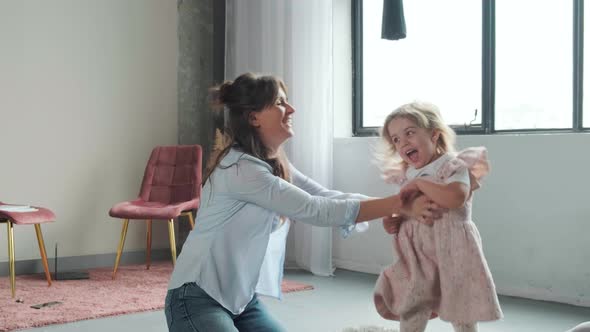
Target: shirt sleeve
{"x": 313, "y": 188}
{"x": 254, "y": 183}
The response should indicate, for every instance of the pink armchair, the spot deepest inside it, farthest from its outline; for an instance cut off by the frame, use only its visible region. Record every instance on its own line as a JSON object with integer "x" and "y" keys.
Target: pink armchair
{"x": 24, "y": 215}
{"x": 171, "y": 187}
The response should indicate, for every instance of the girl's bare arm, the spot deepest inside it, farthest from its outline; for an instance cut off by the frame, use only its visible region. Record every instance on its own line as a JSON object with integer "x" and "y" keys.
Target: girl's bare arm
{"x": 451, "y": 195}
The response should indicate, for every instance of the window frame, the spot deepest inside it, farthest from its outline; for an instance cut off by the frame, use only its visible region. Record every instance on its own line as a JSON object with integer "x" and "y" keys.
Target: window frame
{"x": 487, "y": 125}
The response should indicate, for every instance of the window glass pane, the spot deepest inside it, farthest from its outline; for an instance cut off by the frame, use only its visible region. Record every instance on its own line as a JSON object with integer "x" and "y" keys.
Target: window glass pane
{"x": 534, "y": 62}
{"x": 439, "y": 61}
{"x": 586, "y": 78}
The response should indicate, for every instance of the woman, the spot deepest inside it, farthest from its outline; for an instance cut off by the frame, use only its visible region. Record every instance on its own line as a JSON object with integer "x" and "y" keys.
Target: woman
{"x": 249, "y": 186}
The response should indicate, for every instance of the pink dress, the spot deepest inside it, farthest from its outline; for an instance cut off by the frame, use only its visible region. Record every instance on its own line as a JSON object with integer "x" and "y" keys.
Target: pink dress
{"x": 441, "y": 267}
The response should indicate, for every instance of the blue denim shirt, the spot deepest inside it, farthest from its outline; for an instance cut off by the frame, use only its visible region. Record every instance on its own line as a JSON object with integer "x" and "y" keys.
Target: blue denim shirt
{"x": 239, "y": 202}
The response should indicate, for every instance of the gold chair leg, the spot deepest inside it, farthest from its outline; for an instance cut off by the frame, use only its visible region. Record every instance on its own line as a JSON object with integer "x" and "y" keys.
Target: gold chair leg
{"x": 172, "y": 240}
{"x": 148, "y": 255}
{"x": 11, "y": 271}
{"x": 190, "y": 219}
{"x": 43, "y": 253}
{"x": 121, "y": 244}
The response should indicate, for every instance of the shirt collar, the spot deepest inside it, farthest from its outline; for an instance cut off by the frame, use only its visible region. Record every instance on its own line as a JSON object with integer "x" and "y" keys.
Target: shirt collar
{"x": 234, "y": 155}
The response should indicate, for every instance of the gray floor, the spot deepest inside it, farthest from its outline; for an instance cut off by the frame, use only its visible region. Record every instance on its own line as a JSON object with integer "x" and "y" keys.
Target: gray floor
{"x": 345, "y": 301}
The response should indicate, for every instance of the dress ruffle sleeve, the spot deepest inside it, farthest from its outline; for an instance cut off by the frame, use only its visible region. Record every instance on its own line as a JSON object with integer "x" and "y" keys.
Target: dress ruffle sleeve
{"x": 475, "y": 159}
{"x": 394, "y": 176}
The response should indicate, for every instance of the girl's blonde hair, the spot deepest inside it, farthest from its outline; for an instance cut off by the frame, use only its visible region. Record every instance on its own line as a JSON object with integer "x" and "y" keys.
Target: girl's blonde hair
{"x": 424, "y": 115}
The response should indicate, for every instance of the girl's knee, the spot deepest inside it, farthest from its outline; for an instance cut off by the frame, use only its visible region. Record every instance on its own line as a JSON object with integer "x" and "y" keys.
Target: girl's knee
{"x": 415, "y": 321}
{"x": 465, "y": 327}
{"x": 584, "y": 327}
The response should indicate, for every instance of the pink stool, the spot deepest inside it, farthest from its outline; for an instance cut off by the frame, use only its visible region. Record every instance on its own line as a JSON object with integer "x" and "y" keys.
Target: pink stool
{"x": 20, "y": 215}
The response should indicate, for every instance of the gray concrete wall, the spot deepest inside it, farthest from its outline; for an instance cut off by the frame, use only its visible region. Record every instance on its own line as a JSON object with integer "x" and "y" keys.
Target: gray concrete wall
{"x": 201, "y": 34}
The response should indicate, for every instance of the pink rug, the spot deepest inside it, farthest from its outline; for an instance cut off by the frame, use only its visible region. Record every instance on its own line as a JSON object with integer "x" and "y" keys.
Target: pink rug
{"x": 136, "y": 289}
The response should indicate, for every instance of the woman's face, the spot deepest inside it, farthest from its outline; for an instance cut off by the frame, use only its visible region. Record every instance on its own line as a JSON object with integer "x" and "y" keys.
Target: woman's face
{"x": 274, "y": 123}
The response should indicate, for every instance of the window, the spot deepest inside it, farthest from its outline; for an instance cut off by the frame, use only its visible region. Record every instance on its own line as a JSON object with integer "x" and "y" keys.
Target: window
{"x": 533, "y": 64}
{"x": 586, "y": 115}
{"x": 439, "y": 62}
{"x": 486, "y": 67}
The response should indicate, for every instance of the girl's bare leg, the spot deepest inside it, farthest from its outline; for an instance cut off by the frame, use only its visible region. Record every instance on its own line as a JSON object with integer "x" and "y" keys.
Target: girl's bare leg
{"x": 415, "y": 321}
{"x": 462, "y": 327}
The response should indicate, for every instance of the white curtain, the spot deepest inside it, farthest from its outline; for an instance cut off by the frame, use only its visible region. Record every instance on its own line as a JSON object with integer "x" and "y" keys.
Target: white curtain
{"x": 293, "y": 40}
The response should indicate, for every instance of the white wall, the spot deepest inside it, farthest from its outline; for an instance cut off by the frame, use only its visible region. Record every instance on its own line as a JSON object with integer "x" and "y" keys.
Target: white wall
{"x": 533, "y": 211}
{"x": 88, "y": 88}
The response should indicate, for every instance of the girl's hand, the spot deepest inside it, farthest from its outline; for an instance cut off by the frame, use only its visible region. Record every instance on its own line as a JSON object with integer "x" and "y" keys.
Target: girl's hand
{"x": 393, "y": 223}
{"x": 424, "y": 210}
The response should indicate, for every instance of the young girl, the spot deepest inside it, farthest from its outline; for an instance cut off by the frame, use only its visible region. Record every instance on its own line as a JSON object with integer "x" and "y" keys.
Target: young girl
{"x": 441, "y": 269}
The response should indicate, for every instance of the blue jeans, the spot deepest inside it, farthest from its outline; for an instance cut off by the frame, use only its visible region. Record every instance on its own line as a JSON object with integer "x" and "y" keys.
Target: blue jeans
{"x": 189, "y": 309}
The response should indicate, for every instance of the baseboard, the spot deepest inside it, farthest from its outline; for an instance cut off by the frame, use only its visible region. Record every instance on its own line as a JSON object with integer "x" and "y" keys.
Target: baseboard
{"x": 542, "y": 294}
{"x": 357, "y": 266}
{"x": 290, "y": 265}
{"x": 523, "y": 292}
{"x": 73, "y": 263}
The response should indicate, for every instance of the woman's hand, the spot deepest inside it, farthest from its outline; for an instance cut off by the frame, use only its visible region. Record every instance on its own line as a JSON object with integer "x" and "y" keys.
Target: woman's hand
{"x": 409, "y": 191}
{"x": 392, "y": 224}
{"x": 424, "y": 210}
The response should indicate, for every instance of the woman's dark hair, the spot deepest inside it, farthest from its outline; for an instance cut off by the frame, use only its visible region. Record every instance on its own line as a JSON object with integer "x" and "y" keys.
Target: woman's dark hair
{"x": 246, "y": 94}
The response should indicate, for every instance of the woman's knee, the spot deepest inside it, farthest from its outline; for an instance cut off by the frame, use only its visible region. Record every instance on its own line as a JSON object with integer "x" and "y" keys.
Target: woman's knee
{"x": 257, "y": 318}
{"x": 186, "y": 313}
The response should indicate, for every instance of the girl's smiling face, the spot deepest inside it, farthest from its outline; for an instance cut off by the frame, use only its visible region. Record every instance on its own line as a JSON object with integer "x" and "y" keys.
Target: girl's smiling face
{"x": 416, "y": 146}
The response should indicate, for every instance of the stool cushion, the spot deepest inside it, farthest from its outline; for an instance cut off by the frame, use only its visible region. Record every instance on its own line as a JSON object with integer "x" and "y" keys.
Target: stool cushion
{"x": 140, "y": 209}
{"x": 42, "y": 215}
